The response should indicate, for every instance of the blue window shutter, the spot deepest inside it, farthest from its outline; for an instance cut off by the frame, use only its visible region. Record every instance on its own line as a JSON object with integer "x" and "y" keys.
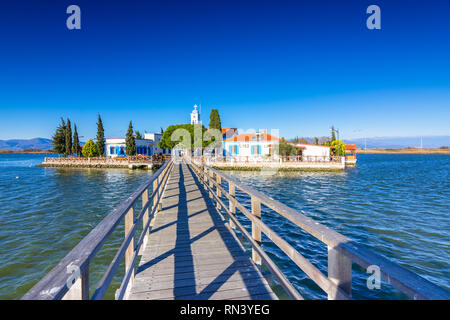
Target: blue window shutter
{"x": 237, "y": 149}
{"x": 259, "y": 149}
{"x": 251, "y": 149}
{"x": 229, "y": 149}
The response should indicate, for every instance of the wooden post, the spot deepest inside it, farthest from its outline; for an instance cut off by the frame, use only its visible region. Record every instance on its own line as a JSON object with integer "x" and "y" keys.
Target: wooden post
{"x": 232, "y": 192}
{"x": 129, "y": 220}
{"x": 256, "y": 231}
{"x": 339, "y": 271}
{"x": 205, "y": 177}
{"x": 145, "y": 218}
{"x": 219, "y": 193}
{"x": 211, "y": 185}
{"x": 80, "y": 289}
{"x": 155, "y": 192}
{"x": 159, "y": 193}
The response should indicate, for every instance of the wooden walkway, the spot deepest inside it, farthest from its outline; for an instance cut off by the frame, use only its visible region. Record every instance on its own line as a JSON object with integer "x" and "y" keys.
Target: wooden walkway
{"x": 191, "y": 253}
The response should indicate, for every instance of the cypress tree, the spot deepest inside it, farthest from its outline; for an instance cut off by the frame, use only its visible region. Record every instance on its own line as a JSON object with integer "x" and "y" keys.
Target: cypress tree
{"x": 214, "y": 120}
{"x": 130, "y": 143}
{"x": 59, "y": 138}
{"x": 76, "y": 142}
{"x": 68, "y": 138}
{"x": 333, "y": 136}
{"x": 100, "y": 137}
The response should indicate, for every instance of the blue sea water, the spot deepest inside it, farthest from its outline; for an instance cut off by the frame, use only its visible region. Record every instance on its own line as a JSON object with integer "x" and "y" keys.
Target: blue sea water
{"x": 397, "y": 205}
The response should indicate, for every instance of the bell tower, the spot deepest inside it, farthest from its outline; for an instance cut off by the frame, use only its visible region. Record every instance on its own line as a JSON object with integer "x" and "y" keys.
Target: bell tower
{"x": 195, "y": 116}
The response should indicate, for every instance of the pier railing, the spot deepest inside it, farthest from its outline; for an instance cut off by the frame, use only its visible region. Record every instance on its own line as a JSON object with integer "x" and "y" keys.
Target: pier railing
{"x": 271, "y": 159}
{"x": 342, "y": 251}
{"x": 138, "y": 158}
{"x": 70, "y": 278}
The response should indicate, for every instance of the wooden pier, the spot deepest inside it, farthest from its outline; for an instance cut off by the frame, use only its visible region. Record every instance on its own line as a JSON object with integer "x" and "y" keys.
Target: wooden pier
{"x": 188, "y": 248}
{"x": 178, "y": 262}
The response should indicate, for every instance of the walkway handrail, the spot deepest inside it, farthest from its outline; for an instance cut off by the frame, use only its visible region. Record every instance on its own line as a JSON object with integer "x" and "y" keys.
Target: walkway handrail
{"x": 342, "y": 251}
{"x": 70, "y": 278}
{"x": 289, "y": 288}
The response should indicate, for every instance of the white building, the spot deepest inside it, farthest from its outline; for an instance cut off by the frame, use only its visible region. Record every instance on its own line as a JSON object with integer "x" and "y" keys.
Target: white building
{"x": 250, "y": 145}
{"x": 156, "y": 138}
{"x": 195, "y": 116}
{"x": 115, "y": 147}
{"x": 312, "y": 152}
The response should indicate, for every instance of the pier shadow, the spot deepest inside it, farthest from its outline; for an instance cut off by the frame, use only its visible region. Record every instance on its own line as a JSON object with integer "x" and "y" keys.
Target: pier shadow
{"x": 254, "y": 284}
{"x": 184, "y": 286}
{"x": 184, "y": 261}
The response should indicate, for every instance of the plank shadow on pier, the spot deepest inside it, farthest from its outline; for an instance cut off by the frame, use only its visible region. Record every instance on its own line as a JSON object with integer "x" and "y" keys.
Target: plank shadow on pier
{"x": 191, "y": 253}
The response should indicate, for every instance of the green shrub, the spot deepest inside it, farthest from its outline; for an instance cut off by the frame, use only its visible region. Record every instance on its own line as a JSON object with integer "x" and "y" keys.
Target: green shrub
{"x": 90, "y": 149}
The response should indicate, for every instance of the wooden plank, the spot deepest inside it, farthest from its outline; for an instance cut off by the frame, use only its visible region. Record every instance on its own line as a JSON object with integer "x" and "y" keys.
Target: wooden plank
{"x": 339, "y": 272}
{"x": 194, "y": 256}
{"x": 129, "y": 220}
{"x": 168, "y": 283}
{"x": 227, "y": 290}
{"x": 145, "y": 217}
{"x": 256, "y": 230}
{"x": 80, "y": 289}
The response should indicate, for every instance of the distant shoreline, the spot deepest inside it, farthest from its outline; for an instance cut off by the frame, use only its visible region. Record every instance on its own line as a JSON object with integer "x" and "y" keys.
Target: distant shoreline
{"x": 404, "y": 151}
{"x": 360, "y": 151}
{"x": 27, "y": 151}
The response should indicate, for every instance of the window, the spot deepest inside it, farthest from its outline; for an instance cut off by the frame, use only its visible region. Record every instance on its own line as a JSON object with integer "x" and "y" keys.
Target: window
{"x": 234, "y": 150}
{"x": 256, "y": 149}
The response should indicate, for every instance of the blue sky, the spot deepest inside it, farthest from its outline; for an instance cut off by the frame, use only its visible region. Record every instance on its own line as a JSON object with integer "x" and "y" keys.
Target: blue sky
{"x": 297, "y": 66}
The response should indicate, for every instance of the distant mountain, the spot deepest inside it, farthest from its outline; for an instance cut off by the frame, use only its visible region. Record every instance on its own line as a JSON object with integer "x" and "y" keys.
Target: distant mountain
{"x": 22, "y": 144}
{"x": 401, "y": 142}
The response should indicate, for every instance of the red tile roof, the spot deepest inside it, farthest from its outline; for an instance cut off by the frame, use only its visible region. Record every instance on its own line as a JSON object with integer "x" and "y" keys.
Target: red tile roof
{"x": 247, "y": 137}
{"x": 351, "y": 147}
{"x": 225, "y": 130}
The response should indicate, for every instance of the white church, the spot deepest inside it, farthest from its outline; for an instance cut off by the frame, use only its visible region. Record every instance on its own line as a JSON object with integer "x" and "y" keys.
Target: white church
{"x": 195, "y": 116}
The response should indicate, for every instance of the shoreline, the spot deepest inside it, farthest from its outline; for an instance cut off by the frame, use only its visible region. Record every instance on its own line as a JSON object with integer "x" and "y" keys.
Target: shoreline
{"x": 404, "y": 151}
{"x": 25, "y": 152}
{"x": 285, "y": 166}
{"x": 99, "y": 167}
{"x": 98, "y": 163}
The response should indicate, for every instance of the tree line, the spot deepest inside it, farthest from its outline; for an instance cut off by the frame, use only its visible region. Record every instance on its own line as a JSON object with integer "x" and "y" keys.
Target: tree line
{"x": 64, "y": 143}
{"x": 68, "y": 144}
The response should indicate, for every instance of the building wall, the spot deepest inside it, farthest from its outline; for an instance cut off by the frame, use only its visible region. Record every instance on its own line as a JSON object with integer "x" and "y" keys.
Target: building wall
{"x": 315, "y": 151}
{"x": 247, "y": 148}
{"x": 147, "y": 146}
{"x": 156, "y": 138}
